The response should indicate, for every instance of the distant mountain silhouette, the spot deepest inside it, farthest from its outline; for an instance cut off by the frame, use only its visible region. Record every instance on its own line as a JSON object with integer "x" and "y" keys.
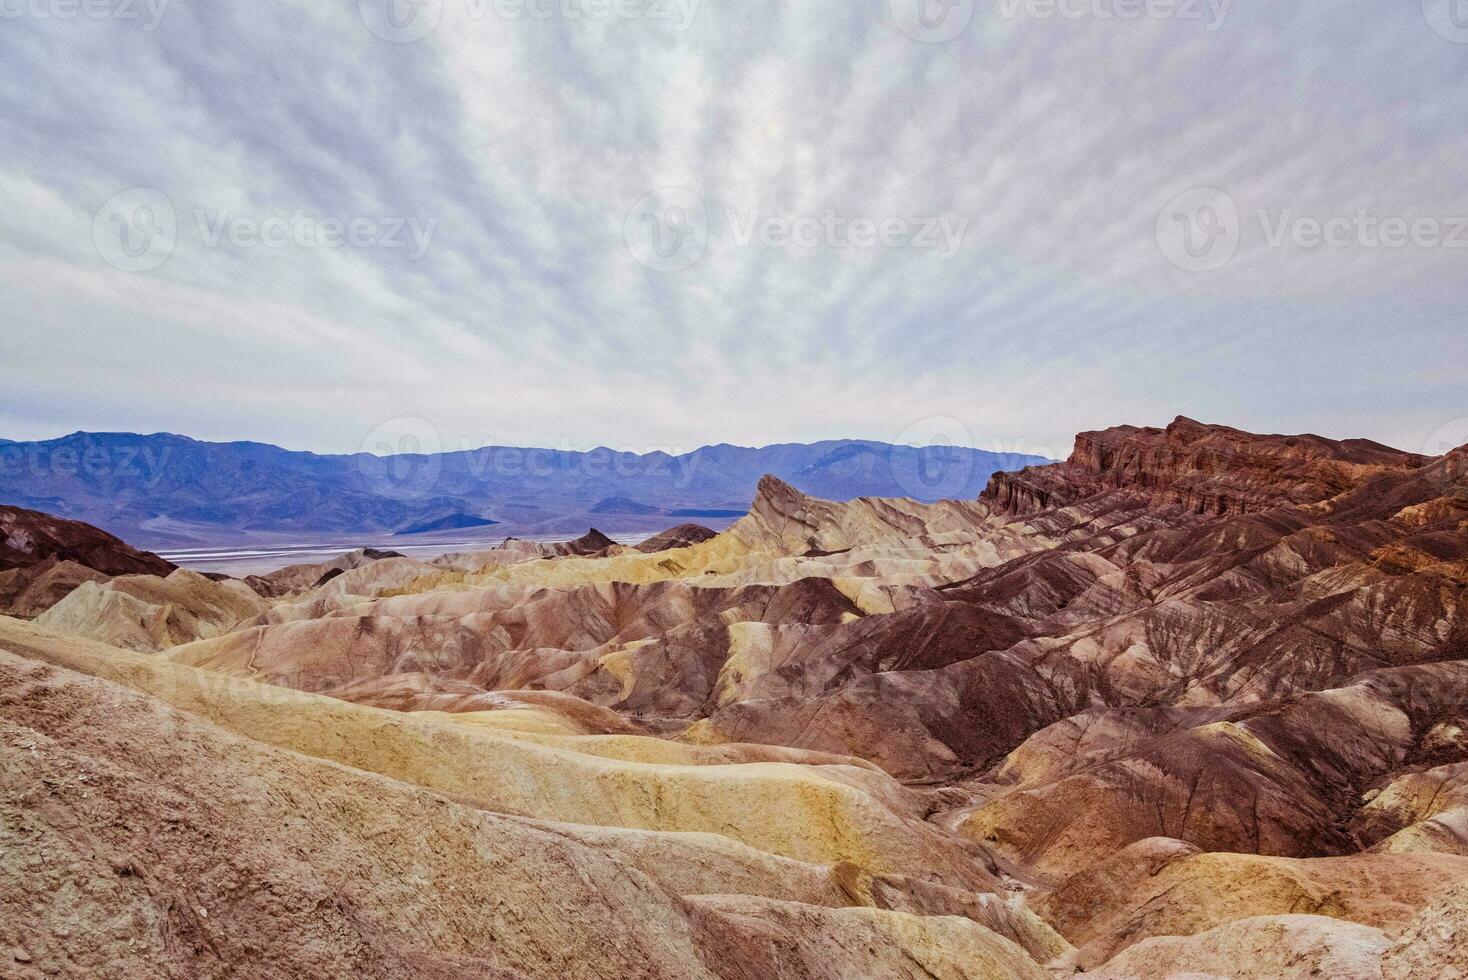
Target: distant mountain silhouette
{"x": 453, "y": 522}
{"x": 621, "y": 505}
{"x": 160, "y": 490}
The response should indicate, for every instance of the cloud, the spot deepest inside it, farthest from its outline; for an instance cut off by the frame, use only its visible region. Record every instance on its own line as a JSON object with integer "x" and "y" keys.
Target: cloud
{"x": 1056, "y": 142}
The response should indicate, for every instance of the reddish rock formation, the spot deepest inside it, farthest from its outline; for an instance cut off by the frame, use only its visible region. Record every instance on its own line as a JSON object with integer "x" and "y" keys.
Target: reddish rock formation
{"x": 1193, "y": 696}
{"x": 1204, "y": 469}
{"x": 678, "y": 537}
{"x": 43, "y": 558}
{"x": 29, "y": 591}
{"x": 28, "y": 537}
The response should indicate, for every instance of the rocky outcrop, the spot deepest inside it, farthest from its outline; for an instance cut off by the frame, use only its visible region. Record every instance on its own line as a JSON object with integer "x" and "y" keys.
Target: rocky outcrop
{"x": 1210, "y": 470}
{"x": 1192, "y": 699}
{"x": 681, "y": 536}
{"x": 593, "y": 542}
{"x": 1431, "y": 947}
{"x": 622, "y": 646}
{"x": 158, "y": 842}
{"x": 511, "y": 551}
{"x": 1270, "y": 778}
{"x": 1421, "y": 811}
{"x": 27, "y": 592}
{"x": 1274, "y": 947}
{"x": 43, "y": 558}
{"x": 786, "y": 520}
{"x": 296, "y": 578}
{"x": 28, "y": 537}
{"x": 1163, "y": 887}
{"x": 148, "y": 613}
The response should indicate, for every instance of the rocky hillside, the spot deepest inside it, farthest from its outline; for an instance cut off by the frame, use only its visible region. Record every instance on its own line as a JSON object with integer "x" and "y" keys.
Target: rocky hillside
{"x": 43, "y": 558}
{"x": 29, "y": 538}
{"x": 1210, "y": 470}
{"x": 1192, "y": 697}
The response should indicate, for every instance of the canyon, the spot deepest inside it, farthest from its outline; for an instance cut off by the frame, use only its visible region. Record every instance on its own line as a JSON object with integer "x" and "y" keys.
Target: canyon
{"x": 1192, "y": 702}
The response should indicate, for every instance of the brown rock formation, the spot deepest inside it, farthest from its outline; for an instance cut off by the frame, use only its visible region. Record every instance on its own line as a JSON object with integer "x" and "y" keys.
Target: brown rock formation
{"x": 1431, "y": 947}
{"x": 1273, "y": 947}
{"x": 1210, "y": 470}
{"x": 205, "y": 852}
{"x": 295, "y": 578}
{"x": 27, "y": 592}
{"x": 28, "y": 537}
{"x": 1194, "y": 698}
{"x": 43, "y": 558}
{"x": 145, "y": 612}
{"x": 678, "y": 537}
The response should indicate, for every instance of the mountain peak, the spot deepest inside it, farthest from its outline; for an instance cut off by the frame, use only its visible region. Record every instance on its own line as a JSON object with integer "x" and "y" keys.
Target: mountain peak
{"x": 774, "y": 487}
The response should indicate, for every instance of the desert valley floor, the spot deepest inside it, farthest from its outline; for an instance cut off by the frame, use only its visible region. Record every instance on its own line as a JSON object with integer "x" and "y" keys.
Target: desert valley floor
{"x": 1192, "y": 703}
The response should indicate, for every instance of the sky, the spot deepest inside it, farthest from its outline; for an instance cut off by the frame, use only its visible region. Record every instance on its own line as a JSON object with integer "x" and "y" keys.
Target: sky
{"x": 658, "y": 224}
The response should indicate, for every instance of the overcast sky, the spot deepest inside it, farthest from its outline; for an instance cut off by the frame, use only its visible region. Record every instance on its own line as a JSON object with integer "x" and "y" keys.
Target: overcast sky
{"x": 673, "y": 223}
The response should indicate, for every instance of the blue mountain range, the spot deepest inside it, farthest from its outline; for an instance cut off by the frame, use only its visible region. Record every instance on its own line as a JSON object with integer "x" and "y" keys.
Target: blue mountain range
{"x": 166, "y": 490}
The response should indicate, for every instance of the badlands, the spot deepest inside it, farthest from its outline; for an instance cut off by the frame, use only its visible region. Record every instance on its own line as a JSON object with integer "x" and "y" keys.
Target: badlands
{"x": 1192, "y": 703}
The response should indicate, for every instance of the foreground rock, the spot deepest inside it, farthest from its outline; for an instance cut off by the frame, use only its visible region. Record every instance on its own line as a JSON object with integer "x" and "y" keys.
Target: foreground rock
{"x": 1194, "y": 699}
{"x": 1164, "y": 887}
{"x": 1282, "y": 947}
{"x": 300, "y": 866}
{"x": 145, "y": 612}
{"x": 1431, "y": 947}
